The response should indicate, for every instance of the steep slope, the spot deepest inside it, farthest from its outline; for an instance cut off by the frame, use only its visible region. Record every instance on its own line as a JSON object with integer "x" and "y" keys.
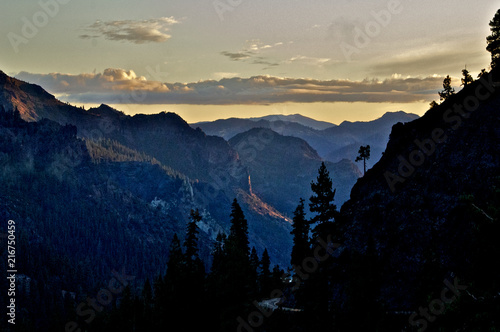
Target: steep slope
{"x": 432, "y": 195}
{"x": 64, "y": 202}
{"x": 168, "y": 138}
{"x": 282, "y": 168}
{"x": 32, "y": 101}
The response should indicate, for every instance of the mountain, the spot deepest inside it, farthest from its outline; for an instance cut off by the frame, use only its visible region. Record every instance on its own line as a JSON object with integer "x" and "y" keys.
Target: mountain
{"x": 96, "y": 191}
{"x": 165, "y": 136}
{"x": 32, "y": 101}
{"x": 228, "y": 128}
{"x": 334, "y": 143}
{"x": 210, "y": 168}
{"x": 297, "y": 118}
{"x": 343, "y": 141}
{"x": 282, "y": 168}
{"x": 430, "y": 205}
{"x": 69, "y": 208}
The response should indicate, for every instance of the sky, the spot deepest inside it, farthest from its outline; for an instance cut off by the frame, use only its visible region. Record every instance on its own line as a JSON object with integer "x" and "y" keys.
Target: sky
{"x": 331, "y": 60}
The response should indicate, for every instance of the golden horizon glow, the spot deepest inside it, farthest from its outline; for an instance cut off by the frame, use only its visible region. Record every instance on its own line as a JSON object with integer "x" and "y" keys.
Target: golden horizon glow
{"x": 334, "y": 113}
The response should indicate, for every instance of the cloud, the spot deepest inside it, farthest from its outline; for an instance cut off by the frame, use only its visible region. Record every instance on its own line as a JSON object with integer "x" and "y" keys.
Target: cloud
{"x": 442, "y": 61}
{"x": 309, "y": 60}
{"x": 237, "y": 56}
{"x": 221, "y": 75}
{"x": 108, "y": 81}
{"x": 114, "y": 85}
{"x": 252, "y": 51}
{"x": 138, "y": 32}
{"x": 260, "y": 60}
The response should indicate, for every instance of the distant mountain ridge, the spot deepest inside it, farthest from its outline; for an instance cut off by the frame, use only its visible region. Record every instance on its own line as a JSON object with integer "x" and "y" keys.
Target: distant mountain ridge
{"x": 297, "y": 118}
{"x": 334, "y": 143}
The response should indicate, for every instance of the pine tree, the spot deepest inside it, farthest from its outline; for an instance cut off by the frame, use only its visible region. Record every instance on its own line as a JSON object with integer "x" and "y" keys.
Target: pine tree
{"x": 254, "y": 260}
{"x": 193, "y": 283}
{"x": 254, "y": 269}
{"x": 218, "y": 252}
{"x": 265, "y": 273}
{"x": 217, "y": 282}
{"x": 448, "y": 90}
{"x": 300, "y": 234}
{"x": 321, "y": 202}
{"x": 176, "y": 260}
{"x": 363, "y": 154}
{"x": 481, "y": 73}
{"x": 493, "y": 40}
{"x": 232, "y": 275}
{"x": 174, "y": 278}
{"x": 467, "y": 77}
{"x": 315, "y": 293}
{"x": 238, "y": 243}
{"x": 191, "y": 241}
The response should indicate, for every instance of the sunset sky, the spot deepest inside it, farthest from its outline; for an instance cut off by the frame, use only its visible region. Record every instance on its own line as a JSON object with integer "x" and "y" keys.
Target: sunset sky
{"x": 330, "y": 60}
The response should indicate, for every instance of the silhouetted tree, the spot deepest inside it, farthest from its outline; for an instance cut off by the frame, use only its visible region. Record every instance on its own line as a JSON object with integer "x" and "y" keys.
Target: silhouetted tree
{"x": 364, "y": 155}
{"x": 174, "y": 279}
{"x": 218, "y": 252}
{"x": 482, "y": 73}
{"x": 176, "y": 260}
{"x": 315, "y": 292}
{"x": 193, "y": 283}
{"x": 236, "y": 271}
{"x": 493, "y": 40}
{"x": 300, "y": 232}
{"x": 467, "y": 78}
{"x": 217, "y": 289}
{"x": 448, "y": 90}
{"x": 237, "y": 241}
{"x": 321, "y": 202}
{"x": 265, "y": 273}
{"x": 254, "y": 270}
{"x": 191, "y": 241}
